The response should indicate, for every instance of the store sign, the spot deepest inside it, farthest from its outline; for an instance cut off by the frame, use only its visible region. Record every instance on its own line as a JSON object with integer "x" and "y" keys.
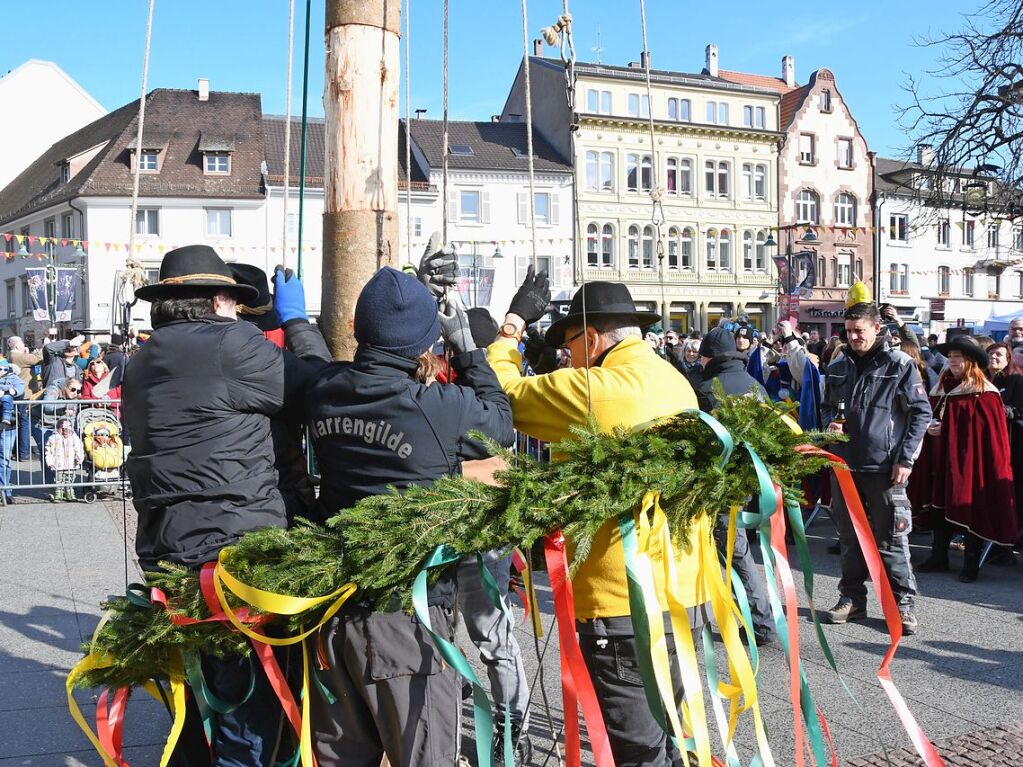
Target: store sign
{"x": 831, "y": 314}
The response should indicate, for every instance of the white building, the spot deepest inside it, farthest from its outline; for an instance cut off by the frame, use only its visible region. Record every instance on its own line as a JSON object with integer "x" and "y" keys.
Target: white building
{"x": 25, "y": 89}
{"x": 949, "y": 265}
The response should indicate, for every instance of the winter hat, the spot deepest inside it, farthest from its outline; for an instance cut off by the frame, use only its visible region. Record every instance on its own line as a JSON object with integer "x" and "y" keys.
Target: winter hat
{"x": 718, "y": 343}
{"x": 742, "y": 330}
{"x": 395, "y": 312}
{"x": 5, "y": 365}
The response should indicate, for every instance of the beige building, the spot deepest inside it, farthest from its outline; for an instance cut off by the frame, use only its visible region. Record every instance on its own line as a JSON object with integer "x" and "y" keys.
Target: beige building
{"x": 715, "y": 153}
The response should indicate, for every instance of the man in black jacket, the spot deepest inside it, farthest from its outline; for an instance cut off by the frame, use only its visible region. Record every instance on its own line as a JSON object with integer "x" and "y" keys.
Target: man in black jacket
{"x": 723, "y": 364}
{"x": 885, "y": 408}
{"x": 197, "y": 400}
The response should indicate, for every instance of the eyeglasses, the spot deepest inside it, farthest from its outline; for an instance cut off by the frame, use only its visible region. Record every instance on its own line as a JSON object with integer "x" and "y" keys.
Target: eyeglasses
{"x": 567, "y": 341}
{"x": 74, "y": 389}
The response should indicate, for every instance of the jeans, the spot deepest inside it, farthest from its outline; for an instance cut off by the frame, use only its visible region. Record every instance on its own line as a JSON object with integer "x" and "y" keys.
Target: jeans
{"x": 7, "y": 408}
{"x": 24, "y": 433}
{"x": 746, "y": 567}
{"x": 492, "y": 634}
{"x": 891, "y": 520}
{"x": 7, "y": 437}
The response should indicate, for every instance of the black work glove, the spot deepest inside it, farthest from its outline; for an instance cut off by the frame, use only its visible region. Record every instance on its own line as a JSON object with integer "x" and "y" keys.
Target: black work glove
{"x": 541, "y": 357}
{"x": 532, "y": 297}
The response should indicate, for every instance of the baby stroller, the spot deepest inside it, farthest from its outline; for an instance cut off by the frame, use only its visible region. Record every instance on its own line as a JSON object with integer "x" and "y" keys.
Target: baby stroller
{"x": 104, "y": 451}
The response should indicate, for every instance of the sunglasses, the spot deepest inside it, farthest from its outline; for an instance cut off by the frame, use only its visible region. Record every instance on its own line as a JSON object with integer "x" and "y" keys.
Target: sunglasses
{"x": 74, "y": 389}
{"x": 567, "y": 341}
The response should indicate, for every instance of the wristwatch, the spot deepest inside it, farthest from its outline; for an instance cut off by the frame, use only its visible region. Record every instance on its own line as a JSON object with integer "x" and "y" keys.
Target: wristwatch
{"x": 510, "y": 330}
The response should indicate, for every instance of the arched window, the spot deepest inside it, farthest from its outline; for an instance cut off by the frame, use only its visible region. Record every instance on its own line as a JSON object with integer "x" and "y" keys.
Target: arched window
{"x": 673, "y": 243}
{"x": 671, "y": 177}
{"x": 747, "y": 251}
{"x": 607, "y": 246}
{"x": 591, "y": 245}
{"x": 760, "y": 264}
{"x": 607, "y": 172}
{"x": 648, "y": 247}
{"x": 725, "y": 250}
{"x": 845, "y": 210}
{"x": 685, "y": 178}
{"x": 647, "y": 178}
{"x": 634, "y": 247}
{"x": 712, "y": 248}
{"x": 807, "y": 207}
{"x": 686, "y": 248}
{"x": 723, "y": 181}
{"x": 632, "y": 172}
{"x": 591, "y": 171}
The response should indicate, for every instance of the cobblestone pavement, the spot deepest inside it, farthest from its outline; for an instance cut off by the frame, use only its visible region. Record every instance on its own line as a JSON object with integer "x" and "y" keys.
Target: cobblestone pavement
{"x": 993, "y": 747}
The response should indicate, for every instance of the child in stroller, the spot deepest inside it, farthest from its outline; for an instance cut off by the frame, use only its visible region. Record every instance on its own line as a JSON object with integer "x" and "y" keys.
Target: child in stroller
{"x": 104, "y": 448}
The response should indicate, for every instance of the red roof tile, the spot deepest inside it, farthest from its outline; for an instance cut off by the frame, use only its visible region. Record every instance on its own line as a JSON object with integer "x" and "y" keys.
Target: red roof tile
{"x": 758, "y": 81}
{"x": 790, "y": 103}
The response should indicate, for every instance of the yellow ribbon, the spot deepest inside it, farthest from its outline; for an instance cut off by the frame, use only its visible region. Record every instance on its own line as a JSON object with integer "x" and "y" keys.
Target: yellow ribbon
{"x": 530, "y": 589}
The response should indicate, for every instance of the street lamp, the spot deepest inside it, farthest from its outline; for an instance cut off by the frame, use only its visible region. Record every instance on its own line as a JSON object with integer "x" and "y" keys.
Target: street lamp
{"x": 475, "y": 268}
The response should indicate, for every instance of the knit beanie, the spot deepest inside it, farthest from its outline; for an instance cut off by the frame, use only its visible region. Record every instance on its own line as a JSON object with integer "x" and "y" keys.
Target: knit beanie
{"x": 717, "y": 343}
{"x": 395, "y": 312}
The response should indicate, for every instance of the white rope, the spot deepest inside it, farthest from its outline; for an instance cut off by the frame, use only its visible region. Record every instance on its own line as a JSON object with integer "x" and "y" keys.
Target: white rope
{"x": 529, "y": 131}
{"x": 444, "y": 146}
{"x": 408, "y": 137}
{"x": 656, "y": 192}
{"x": 134, "y": 273}
{"x": 287, "y": 131}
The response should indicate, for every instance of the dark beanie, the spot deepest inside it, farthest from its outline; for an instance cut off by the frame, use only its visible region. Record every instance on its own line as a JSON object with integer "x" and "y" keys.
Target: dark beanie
{"x": 482, "y": 326}
{"x": 717, "y": 343}
{"x": 395, "y": 312}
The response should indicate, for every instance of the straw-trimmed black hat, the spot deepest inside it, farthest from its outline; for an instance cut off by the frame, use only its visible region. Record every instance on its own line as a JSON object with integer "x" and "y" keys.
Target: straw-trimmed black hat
{"x": 194, "y": 266}
{"x": 603, "y": 299}
{"x": 967, "y": 348}
{"x": 259, "y": 311}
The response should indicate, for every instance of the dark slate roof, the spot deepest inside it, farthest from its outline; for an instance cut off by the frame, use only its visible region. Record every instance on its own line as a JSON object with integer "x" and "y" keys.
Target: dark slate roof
{"x": 492, "y": 144}
{"x": 175, "y": 123}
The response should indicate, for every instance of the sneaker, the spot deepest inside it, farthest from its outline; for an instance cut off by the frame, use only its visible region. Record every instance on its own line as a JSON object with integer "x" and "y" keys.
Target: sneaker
{"x": 835, "y": 548}
{"x": 844, "y": 611}
{"x": 523, "y": 746}
{"x": 933, "y": 564}
{"x": 909, "y": 622}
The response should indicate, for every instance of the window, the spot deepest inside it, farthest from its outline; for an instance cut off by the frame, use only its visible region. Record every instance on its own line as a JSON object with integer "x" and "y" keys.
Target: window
{"x": 632, "y": 172}
{"x": 647, "y": 175}
{"x": 747, "y": 181}
{"x": 67, "y": 228}
{"x": 591, "y": 170}
{"x": 844, "y": 274}
{"x": 967, "y": 281}
{"x": 760, "y": 182}
{"x": 217, "y": 162}
{"x": 598, "y": 102}
{"x": 747, "y": 251}
{"x": 679, "y": 110}
{"x": 685, "y": 177}
{"x": 943, "y": 232}
{"x": 147, "y": 221}
{"x": 12, "y": 309}
{"x": 712, "y": 111}
{"x": 673, "y": 243}
{"x": 845, "y": 210}
{"x": 218, "y": 222}
{"x": 148, "y": 162}
{"x": 605, "y": 102}
{"x": 806, "y": 207}
{"x": 461, "y": 150}
{"x": 607, "y": 246}
{"x": 822, "y": 271}
{"x": 760, "y": 117}
{"x": 1017, "y": 238}
{"x": 944, "y": 280}
{"x": 26, "y": 300}
{"x": 717, "y": 112}
{"x": 672, "y": 109}
{"x": 899, "y": 278}
{"x": 686, "y": 248}
{"x": 65, "y": 172}
{"x": 470, "y": 207}
{"x": 671, "y": 175}
{"x": 607, "y": 172}
{"x": 747, "y": 116}
{"x": 417, "y": 227}
{"x": 648, "y": 247}
{"x": 712, "y": 249}
{"x": 545, "y": 205}
{"x": 893, "y": 278}
{"x": 825, "y": 100}
{"x": 807, "y": 155}
{"x": 994, "y": 283}
{"x": 761, "y": 252}
{"x": 898, "y": 227}
{"x": 845, "y": 153}
{"x": 292, "y": 224}
{"x": 992, "y": 235}
{"x": 725, "y": 250}
{"x": 591, "y": 245}
{"x": 968, "y": 232}
{"x": 716, "y": 178}
{"x": 639, "y": 106}
{"x": 722, "y": 114}
{"x": 634, "y": 247}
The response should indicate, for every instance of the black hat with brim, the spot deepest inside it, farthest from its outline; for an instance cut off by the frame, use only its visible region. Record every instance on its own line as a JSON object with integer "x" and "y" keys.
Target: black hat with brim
{"x": 260, "y": 311}
{"x": 194, "y": 266}
{"x": 967, "y": 348}
{"x": 602, "y": 300}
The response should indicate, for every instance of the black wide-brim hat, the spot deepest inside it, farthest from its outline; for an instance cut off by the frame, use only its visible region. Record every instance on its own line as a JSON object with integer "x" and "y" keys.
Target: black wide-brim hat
{"x": 260, "y": 311}
{"x": 194, "y": 266}
{"x": 967, "y": 348}
{"x": 603, "y": 300}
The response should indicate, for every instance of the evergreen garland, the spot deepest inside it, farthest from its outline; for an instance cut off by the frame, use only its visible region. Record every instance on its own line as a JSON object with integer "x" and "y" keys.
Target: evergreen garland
{"x": 382, "y": 541}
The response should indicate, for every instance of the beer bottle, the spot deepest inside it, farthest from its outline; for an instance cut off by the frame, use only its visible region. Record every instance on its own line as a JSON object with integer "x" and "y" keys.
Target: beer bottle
{"x": 840, "y": 415}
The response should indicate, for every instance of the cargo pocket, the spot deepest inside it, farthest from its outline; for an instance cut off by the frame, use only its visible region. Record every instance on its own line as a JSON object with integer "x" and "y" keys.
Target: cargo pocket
{"x": 902, "y": 511}
{"x": 397, "y": 645}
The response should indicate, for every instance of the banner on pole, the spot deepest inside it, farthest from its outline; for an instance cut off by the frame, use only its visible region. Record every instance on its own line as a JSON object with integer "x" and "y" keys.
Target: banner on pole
{"x": 64, "y": 303}
{"x": 36, "y": 279}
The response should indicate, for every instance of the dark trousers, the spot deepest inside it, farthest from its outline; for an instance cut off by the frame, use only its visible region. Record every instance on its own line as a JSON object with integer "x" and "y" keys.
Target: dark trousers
{"x": 891, "y": 520}
{"x": 612, "y": 660}
{"x": 395, "y": 694}
{"x": 24, "y": 434}
{"x": 746, "y": 567}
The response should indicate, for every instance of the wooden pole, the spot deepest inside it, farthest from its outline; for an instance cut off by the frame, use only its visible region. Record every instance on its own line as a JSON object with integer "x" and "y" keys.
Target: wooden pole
{"x": 360, "y": 220}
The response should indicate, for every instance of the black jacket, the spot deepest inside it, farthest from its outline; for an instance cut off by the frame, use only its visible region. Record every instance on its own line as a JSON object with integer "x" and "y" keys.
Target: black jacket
{"x": 731, "y": 372}
{"x": 374, "y": 427}
{"x": 197, "y": 400}
{"x": 886, "y": 406}
{"x": 55, "y": 367}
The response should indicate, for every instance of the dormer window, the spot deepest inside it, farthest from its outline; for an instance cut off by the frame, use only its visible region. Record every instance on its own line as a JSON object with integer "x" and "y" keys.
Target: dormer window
{"x": 150, "y": 161}
{"x": 65, "y": 172}
{"x": 216, "y": 154}
{"x": 460, "y": 150}
{"x": 218, "y": 163}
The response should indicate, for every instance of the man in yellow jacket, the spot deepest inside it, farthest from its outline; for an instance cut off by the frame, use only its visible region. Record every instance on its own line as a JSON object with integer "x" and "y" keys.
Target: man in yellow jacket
{"x": 618, "y": 378}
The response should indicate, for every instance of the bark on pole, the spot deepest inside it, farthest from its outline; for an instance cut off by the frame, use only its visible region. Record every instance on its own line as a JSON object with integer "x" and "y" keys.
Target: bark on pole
{"x": 360, "y": 220}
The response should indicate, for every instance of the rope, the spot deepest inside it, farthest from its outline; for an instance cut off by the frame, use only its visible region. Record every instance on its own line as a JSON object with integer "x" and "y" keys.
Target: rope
{"x": 287, "y": 130}
{"x": 305, "y": 120}
{"x": 444, "y": 147}
{"x": 408, "y": 137}
{"x": 529, "y": 130}
{"x": 134, "y": 273}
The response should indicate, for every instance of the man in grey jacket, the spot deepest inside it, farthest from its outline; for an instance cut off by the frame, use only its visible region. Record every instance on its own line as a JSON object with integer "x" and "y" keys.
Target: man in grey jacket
{"x": 878, "y": 393}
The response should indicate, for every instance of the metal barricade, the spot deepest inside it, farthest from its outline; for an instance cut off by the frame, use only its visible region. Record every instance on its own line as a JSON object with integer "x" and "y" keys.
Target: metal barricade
{"x": 84, "y": 462}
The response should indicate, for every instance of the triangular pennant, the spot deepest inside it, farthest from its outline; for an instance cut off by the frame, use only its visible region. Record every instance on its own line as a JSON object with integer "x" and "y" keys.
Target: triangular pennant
{"x": 7, "y": 236}
{"x": 138, "y": 247}
{"x": 107, "y": 246}
{"x": 160, "y": 248}
{"x": 117, "y": 247}
{"x": 20, "y": 239}
{"x": 43, "y": 241}
{"x": 63, "y": 242}
{"x": 31, "y": 240}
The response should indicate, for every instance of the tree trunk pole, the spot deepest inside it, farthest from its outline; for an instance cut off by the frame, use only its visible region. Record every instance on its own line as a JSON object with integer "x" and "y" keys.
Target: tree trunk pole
{"x": 360, "y": 99}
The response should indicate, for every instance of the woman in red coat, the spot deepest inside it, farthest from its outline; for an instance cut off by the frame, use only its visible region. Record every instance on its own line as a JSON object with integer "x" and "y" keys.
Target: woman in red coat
{"x": 967, "y": 475}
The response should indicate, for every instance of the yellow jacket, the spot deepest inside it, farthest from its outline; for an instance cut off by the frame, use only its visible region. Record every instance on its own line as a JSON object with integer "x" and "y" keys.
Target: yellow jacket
{"x": 632, "y": 386}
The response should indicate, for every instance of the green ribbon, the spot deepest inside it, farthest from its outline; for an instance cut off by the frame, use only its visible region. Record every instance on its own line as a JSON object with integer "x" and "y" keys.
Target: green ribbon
{"x": 493, "y": 591}
{"x": 207, "y": 702}
{"x": 723, "y": 435}
{"x": 442, "y": 556}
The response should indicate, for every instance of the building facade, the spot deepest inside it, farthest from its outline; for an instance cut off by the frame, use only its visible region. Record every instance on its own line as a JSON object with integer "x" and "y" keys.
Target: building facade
{"x": 945, "y": 263}
{"x": 714, "y": 156}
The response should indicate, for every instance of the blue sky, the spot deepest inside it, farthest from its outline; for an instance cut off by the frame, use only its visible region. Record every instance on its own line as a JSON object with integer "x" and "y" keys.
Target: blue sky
{"x": 241, "y": 45}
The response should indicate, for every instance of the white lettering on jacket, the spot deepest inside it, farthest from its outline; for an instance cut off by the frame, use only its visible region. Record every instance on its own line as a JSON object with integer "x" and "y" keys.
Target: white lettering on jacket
{"x": 371, "y": 432}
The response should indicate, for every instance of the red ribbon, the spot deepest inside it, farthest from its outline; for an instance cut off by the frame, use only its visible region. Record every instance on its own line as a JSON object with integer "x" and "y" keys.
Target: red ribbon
{"x": 889, "y": 607}
{"x": 576, "y": 685}
{"x": 110, "y": 723}
{"x": 520, "y": 565}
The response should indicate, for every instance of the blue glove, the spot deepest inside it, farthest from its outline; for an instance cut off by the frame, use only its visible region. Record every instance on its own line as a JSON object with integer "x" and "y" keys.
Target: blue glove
{"x": 289, "y": 296}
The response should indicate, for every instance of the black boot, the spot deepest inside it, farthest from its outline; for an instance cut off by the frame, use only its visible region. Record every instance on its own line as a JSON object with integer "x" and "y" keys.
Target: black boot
{"x": 523, "y": 747}
{"x": 937, "y": 562}
{"x": 971, "y": 559}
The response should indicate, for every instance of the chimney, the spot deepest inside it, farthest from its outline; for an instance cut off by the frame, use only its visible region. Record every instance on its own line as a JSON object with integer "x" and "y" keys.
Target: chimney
{"x": 538, "y": 47}
{"x": 788, "y": 71}
{"x": 924, "y": 154}
{"x": 204, "y": 89}
{"x": 644, "y": 59}
{"x": 712, "y": 60}
{"x": 420, "y": 113}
